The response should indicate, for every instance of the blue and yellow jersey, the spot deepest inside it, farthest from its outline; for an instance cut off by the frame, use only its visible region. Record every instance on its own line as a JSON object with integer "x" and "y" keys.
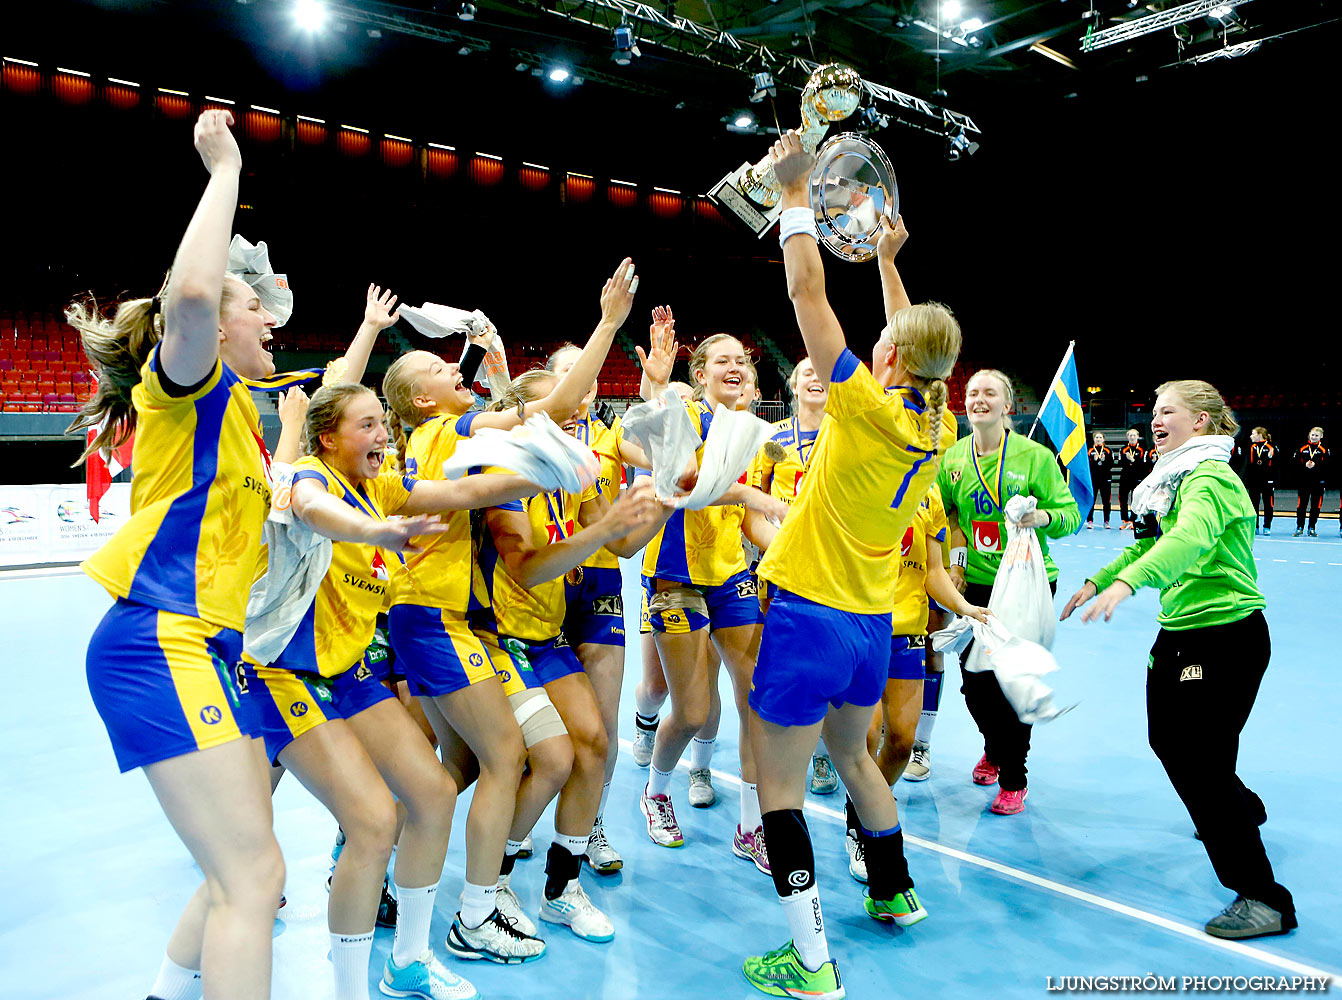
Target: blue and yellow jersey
{"x": 782, "y": 479}
{"x": 285, "y": 380}
{"x": 910, "y": 614}
{"x": 439, "y": 575}
{"x": 699, "y": 547}
{"x": 200, "y": 495}
{"x": 535, "y": 614}
{"x": 339, "y": 625}
{"x": 871, "y": 467}
{"x": 605, "y": 444}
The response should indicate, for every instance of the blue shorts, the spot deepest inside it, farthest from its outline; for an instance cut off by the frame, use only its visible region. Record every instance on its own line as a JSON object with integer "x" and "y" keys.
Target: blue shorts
{"x": 166, "y": 684}
{"x": 290, "y": 704}
{"x": 550, "y": 659}
{"x": 734, "y": 602}
{"x": 436, "y": 650}
{"x": 908, "y": 657}
{"x": 812, "y": 657}
{"x": 595, "y": 607}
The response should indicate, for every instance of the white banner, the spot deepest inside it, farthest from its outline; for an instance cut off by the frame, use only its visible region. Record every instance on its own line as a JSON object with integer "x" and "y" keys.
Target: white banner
{"x": 46, "y": 524}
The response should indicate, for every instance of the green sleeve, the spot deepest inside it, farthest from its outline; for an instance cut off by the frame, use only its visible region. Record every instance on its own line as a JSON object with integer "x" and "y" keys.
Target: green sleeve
{"x": 1053, "y": 496}
{"x": 1103, "y": 578}
{"x": 1201, "y": 518}
{"x": 944, "y": 485}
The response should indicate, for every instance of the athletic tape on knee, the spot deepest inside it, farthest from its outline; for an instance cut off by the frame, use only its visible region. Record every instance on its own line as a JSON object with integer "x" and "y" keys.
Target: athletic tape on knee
{"x": 538, "y": 700}
{"x": 686, "y": 598}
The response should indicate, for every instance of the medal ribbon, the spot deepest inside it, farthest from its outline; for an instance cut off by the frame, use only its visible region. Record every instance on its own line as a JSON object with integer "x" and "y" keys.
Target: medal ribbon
{"x": 556, "y": 515}
{"x": 995, "y": 496}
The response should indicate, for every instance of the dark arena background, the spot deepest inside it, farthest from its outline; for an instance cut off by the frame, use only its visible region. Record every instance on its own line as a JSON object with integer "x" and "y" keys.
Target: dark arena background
{"x": 1148, "y": 180}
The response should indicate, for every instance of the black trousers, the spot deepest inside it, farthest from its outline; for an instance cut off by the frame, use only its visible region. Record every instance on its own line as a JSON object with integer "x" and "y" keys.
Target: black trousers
{"x": 1006, "y": 740}
{"x": 1311, "y": 499}
{"x": 1200, "y": 689}
{"x": 1103, "y": 487}
{"x": 1260, "y": 495}
{"x": 1126, "y": 484}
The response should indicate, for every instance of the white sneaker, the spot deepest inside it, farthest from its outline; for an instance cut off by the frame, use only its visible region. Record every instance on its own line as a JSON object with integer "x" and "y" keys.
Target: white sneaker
{"x": 857, "y": 858}
{"x": 426, "y": 978}
{"x": 643, "y": 741}
{"x": 511, "y": 906}
{"x": 702, "y": 794}
{"x": 920, "y": 763}
{"x": 572, "y": 907}
{"x": 663, "y": 830}
{"x": 498, "y": 939}
{"x": 601, "y": 857}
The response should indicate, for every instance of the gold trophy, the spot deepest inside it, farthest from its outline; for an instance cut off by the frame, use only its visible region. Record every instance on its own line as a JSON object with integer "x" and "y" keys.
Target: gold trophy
{"x": 852, "y": 184}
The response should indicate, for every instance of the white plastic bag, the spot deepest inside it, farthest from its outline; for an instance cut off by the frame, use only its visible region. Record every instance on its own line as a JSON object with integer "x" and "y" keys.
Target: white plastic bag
{"x": 1021, "y": 599}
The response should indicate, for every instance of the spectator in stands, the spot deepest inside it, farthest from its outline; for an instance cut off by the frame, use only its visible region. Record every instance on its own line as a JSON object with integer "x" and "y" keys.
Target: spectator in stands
{"x": 1133, "y": 462}
{"x": 1258, "y": 476}
{"x": 1101, "y": 463}
{"x": 1312, "y": 460}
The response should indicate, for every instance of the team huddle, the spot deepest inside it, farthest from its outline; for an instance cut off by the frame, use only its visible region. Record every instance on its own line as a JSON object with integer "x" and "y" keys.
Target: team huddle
{"x": 343, "y": 610}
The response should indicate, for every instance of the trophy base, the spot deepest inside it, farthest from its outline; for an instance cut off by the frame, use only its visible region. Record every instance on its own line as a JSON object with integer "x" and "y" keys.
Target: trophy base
{"x": 725, "y": 194}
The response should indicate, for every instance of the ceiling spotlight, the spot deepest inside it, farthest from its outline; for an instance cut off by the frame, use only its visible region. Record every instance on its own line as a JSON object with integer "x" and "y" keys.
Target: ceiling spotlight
{"x": 465, "y": 50}
{"x": 972, "y": 25}
{"x": 743, "y": 121}
{"x": 1222, "y": 12}
{"x": 521, "y": 67}
{"x": 958, "y": 144}
{"x": 467, "y": 11}
{"x": 309, "y": 15}
{"x": 763, "y": 82}
{"x": 559, "y": 74}
{"x": 871, "y": 120}
{"x": 950, "y": 10}
{"x": 626, "y": 46}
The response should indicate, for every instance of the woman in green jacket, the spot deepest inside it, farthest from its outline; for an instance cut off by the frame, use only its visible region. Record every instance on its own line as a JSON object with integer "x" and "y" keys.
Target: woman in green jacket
{"x": 979, "y": 474}
{"x": 1195, "y": 529}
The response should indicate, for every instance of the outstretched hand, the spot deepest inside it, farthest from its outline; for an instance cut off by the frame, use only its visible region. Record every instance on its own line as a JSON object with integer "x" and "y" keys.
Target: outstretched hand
{"x": 617, "y": 294}
{"x": 378, "y": 310}
{"x": 893, "y": 235}
{"x": 792, "y": 164}
{"x": 395, "y": 533}
{"x": 293, "y": 406}
{"x": 215, "y": 143}
{"x": 662, "y": 347}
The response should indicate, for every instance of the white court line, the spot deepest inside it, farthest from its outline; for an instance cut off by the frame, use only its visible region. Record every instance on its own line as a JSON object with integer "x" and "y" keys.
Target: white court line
{"x": 1193, "y": 933}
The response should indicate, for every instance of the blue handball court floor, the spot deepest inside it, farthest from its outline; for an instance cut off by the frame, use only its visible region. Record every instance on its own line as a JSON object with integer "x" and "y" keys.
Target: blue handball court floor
{"x": 1100, "y": 876}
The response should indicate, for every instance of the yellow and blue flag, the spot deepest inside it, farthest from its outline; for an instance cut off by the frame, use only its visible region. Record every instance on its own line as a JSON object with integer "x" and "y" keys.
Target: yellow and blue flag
{"x": 1066, "y": 425}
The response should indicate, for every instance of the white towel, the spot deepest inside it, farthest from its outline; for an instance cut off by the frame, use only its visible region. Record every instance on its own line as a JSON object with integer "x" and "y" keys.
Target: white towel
{"x": 252, "y": 265}
{"x": 1155, "y": 493}
{"x": 434, "y": 320}
{"x": 1018, "y": 664}
{"x": 297, "y": 561}
{"x": 536, "y": 450}
{"x": 662, "y": 428}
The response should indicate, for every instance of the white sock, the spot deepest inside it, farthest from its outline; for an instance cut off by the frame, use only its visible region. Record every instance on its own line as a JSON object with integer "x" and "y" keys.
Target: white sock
{"x": 923, "y": 732}
{"x": 512, "y": 848}
{"x": 477, "y": 903}
{"x": 177, "y": 983}
{"x": 601, "y": 809}
{"x": 349, "y": 955}
{"x": 701, "y": 751}
{"x": 414, "y": 913}
{"x": 802, "y": 910}
{"x": 577, "y": 846}
{"x": 659, "y": 782}
{"x": 750, "y": 807}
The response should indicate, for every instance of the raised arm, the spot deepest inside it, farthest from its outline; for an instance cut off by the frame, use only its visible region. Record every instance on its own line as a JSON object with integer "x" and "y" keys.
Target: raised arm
{"x": 801, "y": 260}
{"x": 617, "y": 298}
{"x": 190, "y": 344}
{"x": 661, "y": 356}
{"x": 893, "y": 295}
{"x": 293, "y": 408}
{"x": 378, "y": 314}
{"x": 486, "y": 489}
{"x": 327, "y": 515}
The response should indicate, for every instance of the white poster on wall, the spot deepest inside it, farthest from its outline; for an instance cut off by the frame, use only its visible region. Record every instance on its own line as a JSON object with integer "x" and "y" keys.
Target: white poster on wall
{"x": 51, "y": 524}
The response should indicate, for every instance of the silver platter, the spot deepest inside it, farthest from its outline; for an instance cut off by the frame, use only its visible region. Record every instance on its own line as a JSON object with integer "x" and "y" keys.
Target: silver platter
{"x": 852, "y": 186}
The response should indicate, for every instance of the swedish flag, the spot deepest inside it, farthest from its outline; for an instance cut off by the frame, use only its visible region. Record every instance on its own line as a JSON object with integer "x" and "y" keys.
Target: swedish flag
{"x": 1062, "y": 417}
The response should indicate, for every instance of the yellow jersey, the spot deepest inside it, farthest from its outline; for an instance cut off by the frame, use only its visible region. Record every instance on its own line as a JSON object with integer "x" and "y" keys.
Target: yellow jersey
{"x": 200, "y": 495}
{"x": 698, "y": 547}
{"x": 873, "y": 462}
{"x": 782, "y": 479}
{"x": 605, "y": 444}
{"x": 440, "y": 574}
{"x": 338, "y": 627}
{"x": 910, "y": 614}
{"x": 534, "y": 614}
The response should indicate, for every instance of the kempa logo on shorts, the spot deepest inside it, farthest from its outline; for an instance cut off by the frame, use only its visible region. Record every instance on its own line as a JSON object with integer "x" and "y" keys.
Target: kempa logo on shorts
{"x": 799, "y": 878}
{"x": 211, "y": 716}
{"x": 1192, "y": 672}
{"x": 298, "y": 709}
{"x": 477, "y": 660}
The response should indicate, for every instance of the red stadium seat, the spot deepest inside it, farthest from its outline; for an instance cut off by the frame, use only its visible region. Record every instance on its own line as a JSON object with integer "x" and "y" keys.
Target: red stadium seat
{"x": 49, "y": 400}
{"x": 32, "y": 402}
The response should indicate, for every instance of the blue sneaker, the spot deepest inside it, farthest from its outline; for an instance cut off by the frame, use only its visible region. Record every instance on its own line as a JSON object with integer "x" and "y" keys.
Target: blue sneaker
{"x": 425, "y": 978}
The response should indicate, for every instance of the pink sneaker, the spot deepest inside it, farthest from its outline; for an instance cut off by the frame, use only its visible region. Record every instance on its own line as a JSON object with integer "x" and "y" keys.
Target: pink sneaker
{"x": 985, "y": 772}
{"x": 751, "y": 847}
{"x": 1009, "y": 803}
